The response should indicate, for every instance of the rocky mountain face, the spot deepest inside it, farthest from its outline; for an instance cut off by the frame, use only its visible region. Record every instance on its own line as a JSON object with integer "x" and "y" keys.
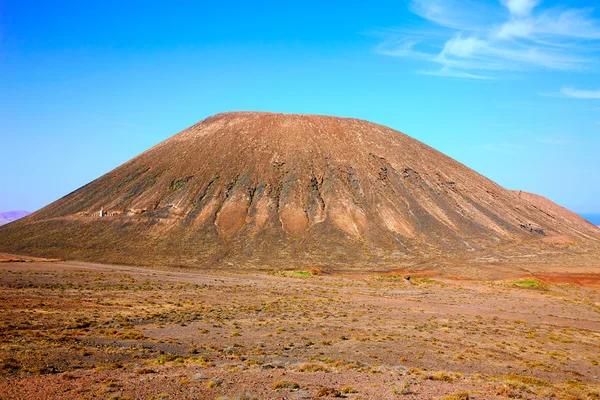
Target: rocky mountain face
{"x": 279, "y": 190}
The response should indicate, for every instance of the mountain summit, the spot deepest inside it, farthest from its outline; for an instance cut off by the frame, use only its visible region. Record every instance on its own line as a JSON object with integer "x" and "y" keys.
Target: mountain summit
{"x": 268, "y": 189}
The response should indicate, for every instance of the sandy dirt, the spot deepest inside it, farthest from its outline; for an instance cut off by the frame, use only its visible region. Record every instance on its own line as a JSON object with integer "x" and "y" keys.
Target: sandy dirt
{"x": 79, "y": 330}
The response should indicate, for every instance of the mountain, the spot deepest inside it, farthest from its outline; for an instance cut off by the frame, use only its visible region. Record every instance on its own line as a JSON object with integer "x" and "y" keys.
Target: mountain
{"x": 282, "y": 190}
{"x": 9, "y": 216}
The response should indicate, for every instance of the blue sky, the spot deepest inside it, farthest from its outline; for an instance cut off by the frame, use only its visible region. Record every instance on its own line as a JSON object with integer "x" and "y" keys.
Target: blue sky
{"x": 510, "y": 88}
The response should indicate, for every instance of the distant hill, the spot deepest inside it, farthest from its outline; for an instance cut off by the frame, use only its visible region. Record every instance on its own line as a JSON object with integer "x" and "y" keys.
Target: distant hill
{"x": 9, "y": 216}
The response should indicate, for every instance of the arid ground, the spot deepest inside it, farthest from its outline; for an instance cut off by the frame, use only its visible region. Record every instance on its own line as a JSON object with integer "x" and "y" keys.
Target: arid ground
{"x": 78, "y": 330}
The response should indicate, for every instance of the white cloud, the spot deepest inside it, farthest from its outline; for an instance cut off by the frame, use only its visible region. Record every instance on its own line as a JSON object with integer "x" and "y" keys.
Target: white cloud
{"x": 530, "y": 37}
{"x": 453, "y": 74}
{"x": 550, "y": 25}
{"x": 460, "y": 47}
{"x": 580, "y": 94}
{"x": 520, "y": 8}
{"x": 456, "y": 14}
{"x": 515, "y": 28}
{"x": 572, "y": 23}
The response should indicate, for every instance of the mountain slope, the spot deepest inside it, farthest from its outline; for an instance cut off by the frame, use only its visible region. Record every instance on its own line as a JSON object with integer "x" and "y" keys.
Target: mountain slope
{"x": 267, "y": 189}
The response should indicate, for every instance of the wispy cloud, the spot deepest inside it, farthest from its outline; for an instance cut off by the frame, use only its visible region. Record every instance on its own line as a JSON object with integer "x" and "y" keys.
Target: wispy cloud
{"x": 503, "y": 148}
{"x": 555, "y": 141}
{"x": 580, "y": 94}
{"x": 480, "y": 39}
{"x": 445, "y": 71}
{"x": 520, "y": 8}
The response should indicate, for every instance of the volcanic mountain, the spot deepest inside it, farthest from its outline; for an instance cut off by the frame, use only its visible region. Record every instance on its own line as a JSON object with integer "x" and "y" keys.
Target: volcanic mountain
{"x": 282, "y": 190}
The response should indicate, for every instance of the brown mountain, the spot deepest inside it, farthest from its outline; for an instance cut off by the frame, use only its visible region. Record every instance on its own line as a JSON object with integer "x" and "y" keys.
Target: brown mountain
{"x": 281, "y": 190}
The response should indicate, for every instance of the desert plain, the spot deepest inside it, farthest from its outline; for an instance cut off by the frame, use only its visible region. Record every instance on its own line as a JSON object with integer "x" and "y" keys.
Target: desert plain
{"x": 71, "y": 330}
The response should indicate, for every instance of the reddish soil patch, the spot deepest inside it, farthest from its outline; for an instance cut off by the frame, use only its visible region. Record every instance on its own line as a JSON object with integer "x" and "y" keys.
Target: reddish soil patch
{"x": 415, "y": 274}
{"x": 589, "y": 280}
{"x": 15, "y": 258}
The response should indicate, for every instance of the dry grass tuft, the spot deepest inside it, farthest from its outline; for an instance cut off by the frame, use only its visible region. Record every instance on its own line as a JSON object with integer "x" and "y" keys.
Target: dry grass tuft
{"x": 285, "y": 384}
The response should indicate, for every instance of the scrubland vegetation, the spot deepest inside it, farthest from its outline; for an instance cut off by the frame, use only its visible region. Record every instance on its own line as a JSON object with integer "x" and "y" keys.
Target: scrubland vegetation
{"x": 91, "y": 331}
